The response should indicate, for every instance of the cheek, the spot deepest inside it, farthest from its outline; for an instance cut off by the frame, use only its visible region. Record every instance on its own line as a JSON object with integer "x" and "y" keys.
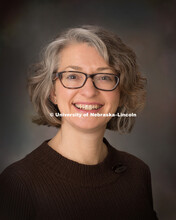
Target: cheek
{"x": 114, "y": 99}
{"x": 64, "y": 96}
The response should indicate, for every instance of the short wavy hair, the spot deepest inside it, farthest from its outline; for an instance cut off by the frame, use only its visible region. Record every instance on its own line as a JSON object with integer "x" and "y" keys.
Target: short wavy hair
{"x": 118, "y": 55}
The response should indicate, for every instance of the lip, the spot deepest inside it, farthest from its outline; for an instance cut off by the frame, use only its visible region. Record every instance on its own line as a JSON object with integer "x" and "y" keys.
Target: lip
{"x": 88, "y": 103}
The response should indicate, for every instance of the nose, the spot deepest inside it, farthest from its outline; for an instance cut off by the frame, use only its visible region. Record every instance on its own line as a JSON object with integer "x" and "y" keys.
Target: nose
{"x": 89, "y": 89}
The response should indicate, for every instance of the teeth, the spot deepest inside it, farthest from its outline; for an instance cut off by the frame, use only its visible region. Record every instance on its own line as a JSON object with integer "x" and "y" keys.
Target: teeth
{"x": 87, "y": 107}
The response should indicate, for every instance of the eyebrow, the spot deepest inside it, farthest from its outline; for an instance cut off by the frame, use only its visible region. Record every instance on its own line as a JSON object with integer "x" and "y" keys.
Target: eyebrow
{"x": 98, "y": 69}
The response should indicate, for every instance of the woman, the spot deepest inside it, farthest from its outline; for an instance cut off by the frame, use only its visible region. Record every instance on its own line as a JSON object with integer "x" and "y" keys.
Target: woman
{"x": 85, "y": 72}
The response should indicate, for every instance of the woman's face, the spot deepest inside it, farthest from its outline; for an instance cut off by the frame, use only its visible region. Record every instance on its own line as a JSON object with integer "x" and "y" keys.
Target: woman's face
{"x": 84, "y": 58}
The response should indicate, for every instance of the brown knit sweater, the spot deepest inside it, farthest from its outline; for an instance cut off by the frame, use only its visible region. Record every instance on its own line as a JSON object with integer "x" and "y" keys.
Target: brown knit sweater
{"x": 45, "y": 185}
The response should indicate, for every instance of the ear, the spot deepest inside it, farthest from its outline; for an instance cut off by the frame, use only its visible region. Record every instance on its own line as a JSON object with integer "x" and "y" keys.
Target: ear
{"x": 52, "y": 96}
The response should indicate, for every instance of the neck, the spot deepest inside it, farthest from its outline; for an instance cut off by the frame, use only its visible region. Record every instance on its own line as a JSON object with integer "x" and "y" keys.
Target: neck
{"x": 82, "y": 147}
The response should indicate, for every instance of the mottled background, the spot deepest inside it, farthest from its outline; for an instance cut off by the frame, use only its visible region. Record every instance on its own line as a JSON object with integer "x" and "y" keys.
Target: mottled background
{"x": 149, "y": 27}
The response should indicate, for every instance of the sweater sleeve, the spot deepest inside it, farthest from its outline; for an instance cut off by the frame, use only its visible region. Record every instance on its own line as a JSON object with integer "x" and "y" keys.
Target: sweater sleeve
{"x": 15, "y": 202}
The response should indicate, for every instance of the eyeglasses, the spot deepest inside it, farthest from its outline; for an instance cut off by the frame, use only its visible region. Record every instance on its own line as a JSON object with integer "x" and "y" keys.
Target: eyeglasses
{"x": 76, "y": 80}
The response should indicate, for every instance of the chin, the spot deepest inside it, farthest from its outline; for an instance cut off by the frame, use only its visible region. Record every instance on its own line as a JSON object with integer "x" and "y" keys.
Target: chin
{"x": 89, "y": 124}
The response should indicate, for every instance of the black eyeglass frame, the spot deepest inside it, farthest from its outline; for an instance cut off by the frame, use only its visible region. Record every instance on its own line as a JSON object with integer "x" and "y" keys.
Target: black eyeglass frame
{"x": 59, "y": 76}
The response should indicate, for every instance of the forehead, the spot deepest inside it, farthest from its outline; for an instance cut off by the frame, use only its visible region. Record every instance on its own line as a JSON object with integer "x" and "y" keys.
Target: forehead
{"x": 82, "y": 55}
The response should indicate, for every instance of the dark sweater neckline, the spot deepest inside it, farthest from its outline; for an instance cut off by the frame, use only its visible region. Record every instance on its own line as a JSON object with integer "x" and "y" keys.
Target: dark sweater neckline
{"x": 74, "y": 172}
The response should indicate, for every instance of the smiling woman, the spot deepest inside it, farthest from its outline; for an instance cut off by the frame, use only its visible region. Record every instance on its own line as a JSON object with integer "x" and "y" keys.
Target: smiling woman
{"x": 77, "y": 174}
{"x": 118, "y": 59}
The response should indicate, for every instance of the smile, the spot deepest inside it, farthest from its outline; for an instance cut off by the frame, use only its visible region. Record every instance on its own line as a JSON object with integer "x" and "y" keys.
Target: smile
{"x": 88, "y": 107}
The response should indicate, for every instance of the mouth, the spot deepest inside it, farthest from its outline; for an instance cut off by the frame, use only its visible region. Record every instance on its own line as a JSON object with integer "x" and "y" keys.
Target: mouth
{"x": 87, "y": 107}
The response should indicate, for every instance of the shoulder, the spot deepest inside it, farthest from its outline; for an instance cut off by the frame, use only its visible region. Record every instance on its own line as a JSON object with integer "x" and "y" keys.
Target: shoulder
{"x": 132, "y": 160}
{"x": 21, "y": 170}
{"x": 15, "y": 198}
{"x": 17, "y": 183}
{"x": 134, "y": 170}
{"x": 13, "y": 179}
{"x": 134, "y": 165}
{"x": 126, "y": 157}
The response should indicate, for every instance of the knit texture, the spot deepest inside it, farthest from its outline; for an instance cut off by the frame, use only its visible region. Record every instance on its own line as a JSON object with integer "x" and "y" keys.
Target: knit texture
{"x": 47, "y": 186}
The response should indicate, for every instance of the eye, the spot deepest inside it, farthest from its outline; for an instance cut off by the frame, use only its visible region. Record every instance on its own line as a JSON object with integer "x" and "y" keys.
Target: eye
{"x": 72, "y": 76}
{"x": 106, "y": 78}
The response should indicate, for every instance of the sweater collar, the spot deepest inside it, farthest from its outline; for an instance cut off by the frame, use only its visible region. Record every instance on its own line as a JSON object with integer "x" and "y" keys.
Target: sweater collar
{"x": 83, "y": 175}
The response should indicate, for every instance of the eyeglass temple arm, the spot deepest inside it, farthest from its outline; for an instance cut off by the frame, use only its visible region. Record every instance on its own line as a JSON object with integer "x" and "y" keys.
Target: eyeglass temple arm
{"x": 56, "y": 75}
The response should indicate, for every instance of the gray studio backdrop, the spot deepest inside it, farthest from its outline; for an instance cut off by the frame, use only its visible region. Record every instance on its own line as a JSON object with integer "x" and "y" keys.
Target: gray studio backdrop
{"x": 147, "y": 27}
